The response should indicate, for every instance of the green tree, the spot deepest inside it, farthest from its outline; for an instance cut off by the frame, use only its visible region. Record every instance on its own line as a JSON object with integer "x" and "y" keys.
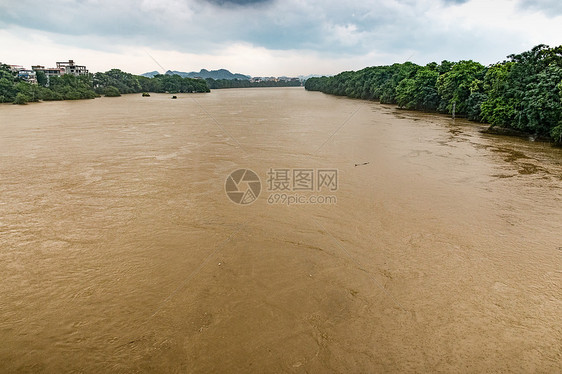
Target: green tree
{"x": 111, "y": 91}
{"x": 541, "y": 103}
{"x": 7, "y": 84}
{"x": 20, "y": 99}
{"x": 124, "y": 82}
{"x": 455, "y": 85}
{"x": 42, "y": 78}
{"x": 399, "y": 72}
{"x": 419, "y": 92}
{"x": 500, "y": 106}
{"x": 71, "y": 87}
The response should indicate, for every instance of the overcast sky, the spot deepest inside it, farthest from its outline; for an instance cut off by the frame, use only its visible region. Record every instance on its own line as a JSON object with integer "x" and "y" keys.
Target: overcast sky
{"x": 270, "y": 37}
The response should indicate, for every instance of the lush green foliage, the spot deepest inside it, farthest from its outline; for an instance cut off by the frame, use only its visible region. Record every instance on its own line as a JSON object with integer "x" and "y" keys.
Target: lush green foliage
{"x": 42, "y": 78}
{"x": 20, "y": 99}
{"x": 69, "y": 87}
{"x": 419, "y": 92}
{"x": 111, "y": 91}
{"x": 523, "y": 93}
{"x": 66, "y": 87}
{"x": 10, "y": 87}
{"x": 113, "y": 83}
{"x": 124, "y": 82}
{"x": 129, "y": 83}
{"x": 456, "y": 86}
{"x": 245, "y": 83}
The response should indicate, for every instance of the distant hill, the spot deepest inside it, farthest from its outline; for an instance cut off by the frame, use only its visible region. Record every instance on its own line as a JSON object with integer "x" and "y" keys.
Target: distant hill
{"x": 305, "y": 77}
{"x": 150, "y": 74}
{"x": 204, "y": 73}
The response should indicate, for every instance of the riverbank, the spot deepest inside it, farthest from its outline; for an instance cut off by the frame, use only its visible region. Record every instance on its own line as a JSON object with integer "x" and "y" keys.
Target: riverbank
{"x": 89, "y": 86}
{"x": 523, "y": 93}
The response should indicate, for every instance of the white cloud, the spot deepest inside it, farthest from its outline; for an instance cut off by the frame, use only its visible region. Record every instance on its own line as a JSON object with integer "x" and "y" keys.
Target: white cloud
{"x": 551, "y": 8}
{"x": 274, "y": 37}
{"x": 30, "y": 48}
{"x": 345, "y": 35}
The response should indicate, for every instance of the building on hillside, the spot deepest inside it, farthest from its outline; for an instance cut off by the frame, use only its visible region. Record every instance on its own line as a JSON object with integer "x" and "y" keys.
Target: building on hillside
{"x": 288, "y": 79}
{"x": 28, "y": 75}
{"x": 15, "y": 68}
{"x": 49, "y": 72}
{"x": 264, "y": 79}
{"x": 71, "y": 68}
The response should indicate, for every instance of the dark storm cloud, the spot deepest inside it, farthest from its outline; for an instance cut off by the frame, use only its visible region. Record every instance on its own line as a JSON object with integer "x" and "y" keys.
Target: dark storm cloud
{"x": 551, "y": 8}
{"x": 190, "y": 25}
{"x": 240, "y": 2}
{"x": 330, "y": 28}
{"x": 455, "y": 1}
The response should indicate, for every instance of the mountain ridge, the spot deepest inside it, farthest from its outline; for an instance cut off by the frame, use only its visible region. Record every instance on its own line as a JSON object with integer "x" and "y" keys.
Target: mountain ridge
{"x": 203, "y": 73}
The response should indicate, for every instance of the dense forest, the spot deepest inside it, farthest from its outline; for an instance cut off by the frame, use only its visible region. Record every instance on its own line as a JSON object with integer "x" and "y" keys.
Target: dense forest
{"x": 112, "y": 83}
{"x": 522, "y": 93}
{"x": 69, "y": 87}
{"x": 244, "y": 83}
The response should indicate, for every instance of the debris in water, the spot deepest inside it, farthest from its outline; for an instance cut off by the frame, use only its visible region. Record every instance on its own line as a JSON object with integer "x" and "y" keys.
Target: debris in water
{"x": 365, "y": 163}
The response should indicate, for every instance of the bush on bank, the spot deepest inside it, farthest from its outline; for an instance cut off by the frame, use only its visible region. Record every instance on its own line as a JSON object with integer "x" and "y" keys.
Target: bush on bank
{"x": 522, "y": 93}
{"x": 69, "y": 87}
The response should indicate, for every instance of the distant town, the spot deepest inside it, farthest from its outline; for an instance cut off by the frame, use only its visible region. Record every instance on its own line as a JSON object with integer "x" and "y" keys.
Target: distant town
{"x": 69, "y": 81}
{"x": 63, "y": 67}
{"x": 70, "y": 67}
{"x": 273, "y": 79}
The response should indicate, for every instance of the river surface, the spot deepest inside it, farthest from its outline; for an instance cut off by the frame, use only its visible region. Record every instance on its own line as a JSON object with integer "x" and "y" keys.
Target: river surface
{"x": 121, "y": 252}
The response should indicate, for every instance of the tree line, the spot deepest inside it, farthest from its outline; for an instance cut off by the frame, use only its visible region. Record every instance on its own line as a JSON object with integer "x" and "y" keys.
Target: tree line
{"x": 244, "y": 83}
{"x": 522, "y": 93}
{"x": 111, "y": 83}
{"x": 69, "y": 87}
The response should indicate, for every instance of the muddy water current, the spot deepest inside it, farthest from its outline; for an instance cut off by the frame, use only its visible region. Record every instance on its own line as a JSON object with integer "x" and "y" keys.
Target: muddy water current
{"x": 428, "y": 246}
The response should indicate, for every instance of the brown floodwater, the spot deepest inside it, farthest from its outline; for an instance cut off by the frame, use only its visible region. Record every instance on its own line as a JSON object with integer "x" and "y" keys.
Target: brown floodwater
{"x": 121, "y": 252}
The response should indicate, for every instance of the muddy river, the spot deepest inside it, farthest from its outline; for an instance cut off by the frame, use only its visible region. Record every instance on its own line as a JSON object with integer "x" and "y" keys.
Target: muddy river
{"x": 356, "y": 238}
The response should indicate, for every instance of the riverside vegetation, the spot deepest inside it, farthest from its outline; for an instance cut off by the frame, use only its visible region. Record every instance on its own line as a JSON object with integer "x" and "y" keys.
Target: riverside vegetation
{"x": 111, "y": 83}
{"x": 244, "y": 83}
{"x": 522, "y": 93}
